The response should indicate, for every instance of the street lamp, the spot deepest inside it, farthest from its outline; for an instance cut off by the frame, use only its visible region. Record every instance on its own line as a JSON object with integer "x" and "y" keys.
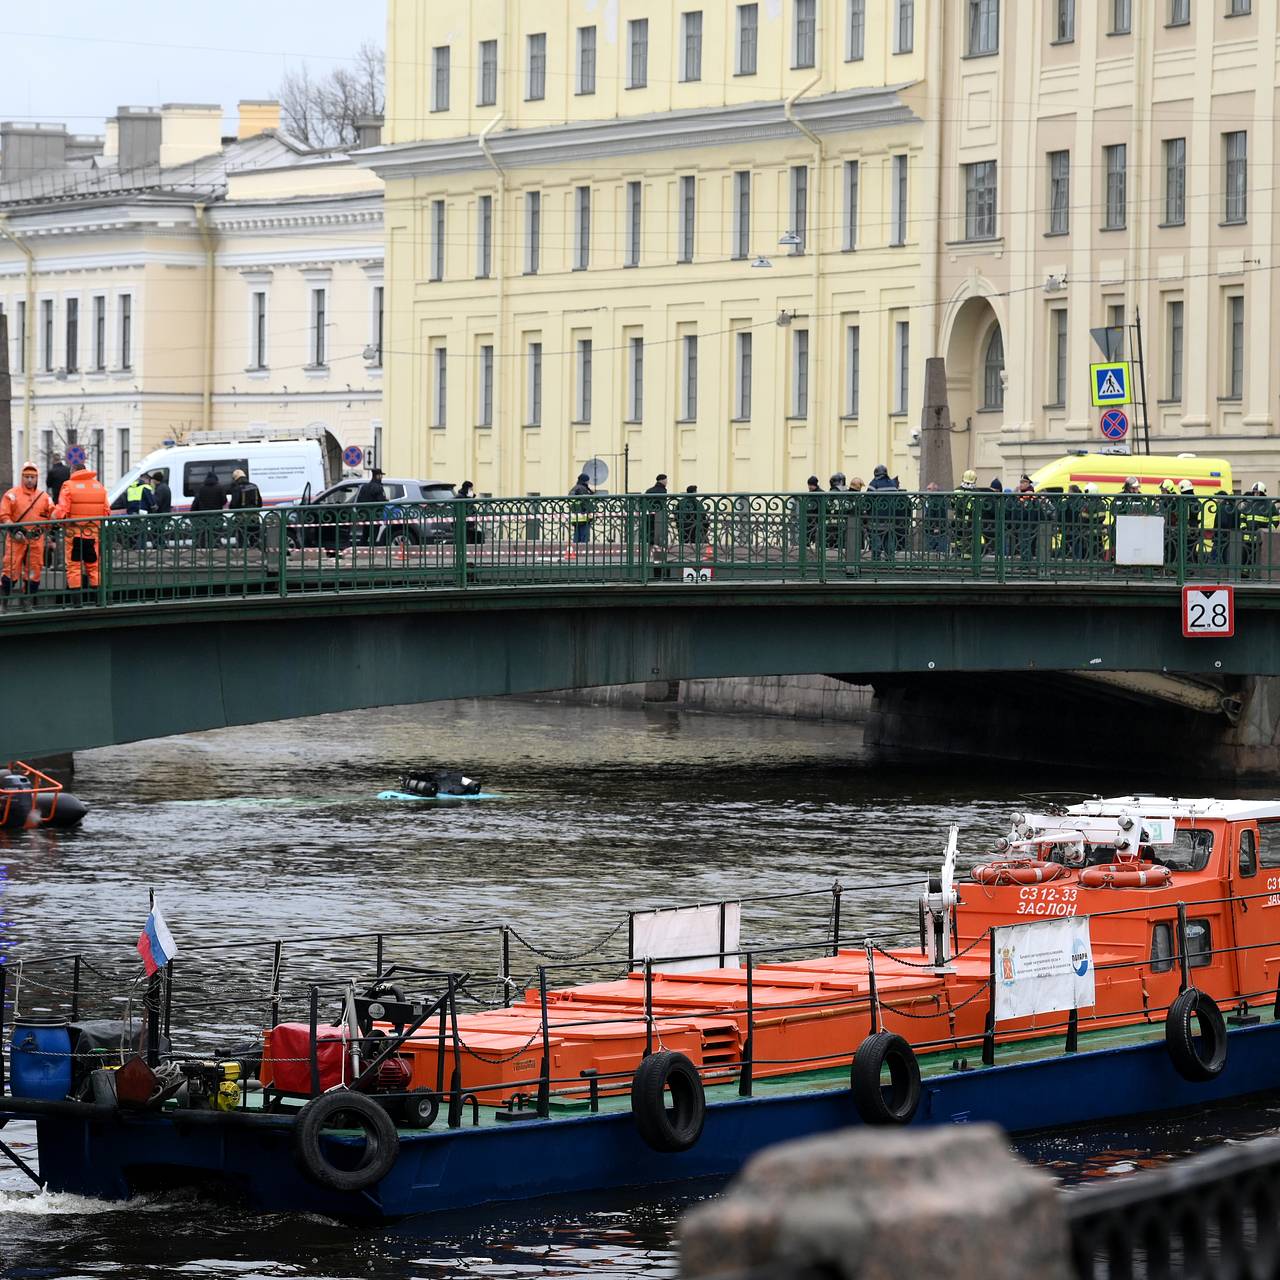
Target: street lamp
{"x": 790, "y": 240}
{"x": 762, "y": 263}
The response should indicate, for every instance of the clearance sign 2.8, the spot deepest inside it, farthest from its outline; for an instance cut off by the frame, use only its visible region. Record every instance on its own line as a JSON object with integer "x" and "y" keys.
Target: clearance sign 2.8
{"x": 1208, "y": 611}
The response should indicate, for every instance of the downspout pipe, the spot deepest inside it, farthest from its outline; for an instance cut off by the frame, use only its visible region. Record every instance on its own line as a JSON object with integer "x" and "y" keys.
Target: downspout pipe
{"x": 500, "y": 269}
{"x": 813, "y": 246}
{"x": 28, "y": 334}
{"x": 206, "y": 239}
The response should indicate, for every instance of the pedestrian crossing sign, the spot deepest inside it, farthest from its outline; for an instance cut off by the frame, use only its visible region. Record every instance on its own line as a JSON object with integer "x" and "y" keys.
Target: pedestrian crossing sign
{"x": 1110, "y": 383}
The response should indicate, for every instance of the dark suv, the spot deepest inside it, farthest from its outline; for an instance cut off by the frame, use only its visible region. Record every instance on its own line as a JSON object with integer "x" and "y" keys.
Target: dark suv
{"x": 323, "y": 522}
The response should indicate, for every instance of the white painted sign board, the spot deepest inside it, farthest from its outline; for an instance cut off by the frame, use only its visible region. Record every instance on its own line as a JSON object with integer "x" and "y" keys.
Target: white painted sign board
{"x": 1045, "y": 967}
{"x": 1140, "y": 540}
{"x": 687, "y": 931}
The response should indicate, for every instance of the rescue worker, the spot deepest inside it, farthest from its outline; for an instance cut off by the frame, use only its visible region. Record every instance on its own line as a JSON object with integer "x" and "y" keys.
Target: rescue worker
{"x": 1170, "y": 512}
{"x": 1257, "y": 517}
{"x": 1093, "y": 518}
{"x": 1128, "y": 502}
{"x": 84, "y": 501}
{"x": 1191, "y": 520}
{"x": 138, "y": 500}
{"x": 1025, "y": 516}
{"x": 162, "y": 500}
{"x": 247, "y": 497}
{"x": 1223, "y": 511}
{"x": 966, "y": 508}
{"x": 1073, "y": 523}
{"x": 580, "y": 512}
{"x": 24, "y": 511}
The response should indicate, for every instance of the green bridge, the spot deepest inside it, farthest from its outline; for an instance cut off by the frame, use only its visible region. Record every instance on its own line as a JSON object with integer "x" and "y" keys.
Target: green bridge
{"x": 204, "y": 621}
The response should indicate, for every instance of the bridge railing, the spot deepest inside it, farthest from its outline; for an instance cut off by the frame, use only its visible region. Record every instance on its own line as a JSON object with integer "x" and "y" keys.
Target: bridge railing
{"x": 889, "y": 535}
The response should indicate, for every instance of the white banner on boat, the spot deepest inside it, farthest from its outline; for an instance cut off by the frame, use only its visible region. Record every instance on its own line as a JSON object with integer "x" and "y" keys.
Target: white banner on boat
{"x": 687, "y": 931}
{"x": 1046, "y": 967}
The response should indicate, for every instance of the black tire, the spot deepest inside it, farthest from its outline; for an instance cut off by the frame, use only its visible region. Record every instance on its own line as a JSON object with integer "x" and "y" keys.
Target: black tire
{"x": 420, "y": 1108}
{"x": 354, "y": 1111}
{"x": 878, "y": 1103}
{"x": 674, "y": 1128}
{"x": 1196, "y": 1058}
{"x": 400, "y": 536}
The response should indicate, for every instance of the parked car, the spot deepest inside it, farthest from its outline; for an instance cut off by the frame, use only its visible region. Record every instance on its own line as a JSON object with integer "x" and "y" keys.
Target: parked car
{"x": 321, "y": 522}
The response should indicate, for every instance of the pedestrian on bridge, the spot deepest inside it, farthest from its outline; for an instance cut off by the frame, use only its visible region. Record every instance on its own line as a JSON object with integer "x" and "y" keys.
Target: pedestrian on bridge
{"x": 810, "y": 508}
{"x": 58, "y": 475}
{"x": 24, "y": 512}
{"x": 84, "y": 503}
{"x": 692, "y": 516}
{"x": 581, "y": 513}
{"x": 245, "y": 497}
{"x": 210, "y": 497}
{"x": 655, "y": 509}
{"x": 885, "y": 514}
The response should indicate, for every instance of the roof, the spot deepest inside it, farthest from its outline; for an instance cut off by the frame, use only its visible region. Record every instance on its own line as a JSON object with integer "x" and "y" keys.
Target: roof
{"x": 1179, "y": 807}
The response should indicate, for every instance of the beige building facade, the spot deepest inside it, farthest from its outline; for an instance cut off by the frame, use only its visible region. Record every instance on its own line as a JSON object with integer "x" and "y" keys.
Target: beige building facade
{"x": 171, "y": 280}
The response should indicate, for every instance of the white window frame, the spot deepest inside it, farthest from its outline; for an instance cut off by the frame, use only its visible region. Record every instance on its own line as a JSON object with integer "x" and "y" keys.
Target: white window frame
{"x": 1059, "y": 356}
{"x": 984, "y": 28}
{"x": 1115, "y": 186}
{"x": 533, "y": 405}
{"x": 638, "y": 53}
{"x": 100, "y": 338}
{"x": 1175, "y": 182}
{"x": 743, "y": 375}
{"x": 582, "y": 388}
{"x": 125, "y": 331}
{"x": 535, "y": 89}
{"x": 901, "y": 366}
{"x": 258, "y": 311}
{"x": 484, "y": 392}
{"x": 688, "y": 232}
{"x": 439, "y": 385}
{"x": 440, "y": 77}
{"x": 747, "y": 45}
{"x": 742, "y": 214}
{"x": 124, "y": 450}
{"x": 1065, "y": 24}
{"x": 691, "y": 46}
{"x": 1059, "y": 165}
{"x": 439, "y": 222}
{"x": 852, "y": 182}
{"x": 377, "y": 322}
{"x": 72, "y": 333}
{"x": 980, "y": 200}
{"x": 318, "y": 338}
{"x": 635, "y": 379}
{"x": 635, "y": 222}
{"x": 1175, "y": 337}
{"x": 855, "y": 36}
{"x": 581, "y": 228}
{"x": 48, "y": 334}
{"x": 800, "y": 373}
{"x": 853, "y": 369}
{"x": 587, "y": 52}
{"x": 800, "y": 206}
{"x": 804, "y": 35}
{"x": 689, "y": 378}
{"x": 1236, "y": 351}
{"x": 900, "y": 198}
{"x": 484, "y": 237}
{"x": 487, "y": 82}
{"x": 1235, "y": 176}
{"x": 904, "y": 26}
{"x": 532, "y": 232}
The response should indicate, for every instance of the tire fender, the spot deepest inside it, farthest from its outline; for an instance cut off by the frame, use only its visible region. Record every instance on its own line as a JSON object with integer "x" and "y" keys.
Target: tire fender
{"x": 381, "y": 1142}
{"x": 1196, "y": 1058}
{"x": 679, "y": 1126}
{"x": 881, "y": 1104}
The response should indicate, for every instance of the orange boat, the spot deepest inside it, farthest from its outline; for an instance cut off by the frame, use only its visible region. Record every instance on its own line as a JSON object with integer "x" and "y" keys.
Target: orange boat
{"x": 1182, "y": 896}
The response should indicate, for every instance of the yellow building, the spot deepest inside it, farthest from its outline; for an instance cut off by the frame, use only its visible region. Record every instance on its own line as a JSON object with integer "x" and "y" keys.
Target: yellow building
{"x": 167, "y": 280}
{"x": 696, "y": 236}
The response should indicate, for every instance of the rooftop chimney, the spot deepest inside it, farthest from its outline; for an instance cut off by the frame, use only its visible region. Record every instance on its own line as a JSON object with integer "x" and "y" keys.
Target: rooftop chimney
{"x": 369, "y": 131}
{"x": 257, "y": 115}
{"x": 27, "y": 150}
{"x": 189, "y": 131}
{"x": 138, "y": 137}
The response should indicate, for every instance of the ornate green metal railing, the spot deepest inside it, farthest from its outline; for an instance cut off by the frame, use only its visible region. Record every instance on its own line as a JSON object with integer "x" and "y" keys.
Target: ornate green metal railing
{"x": 837, "y": 538}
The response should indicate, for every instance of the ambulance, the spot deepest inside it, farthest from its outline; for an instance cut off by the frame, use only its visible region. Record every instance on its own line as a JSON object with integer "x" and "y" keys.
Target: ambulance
{"x": 1108, "y": 471}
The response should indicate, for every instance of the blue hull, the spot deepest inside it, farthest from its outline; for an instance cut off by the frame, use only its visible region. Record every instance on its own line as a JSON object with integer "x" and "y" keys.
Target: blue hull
{"x": 443, "y": 1170}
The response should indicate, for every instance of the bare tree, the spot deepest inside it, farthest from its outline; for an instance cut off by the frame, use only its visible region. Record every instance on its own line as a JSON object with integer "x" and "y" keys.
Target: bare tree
{"x": 324, "y": 111}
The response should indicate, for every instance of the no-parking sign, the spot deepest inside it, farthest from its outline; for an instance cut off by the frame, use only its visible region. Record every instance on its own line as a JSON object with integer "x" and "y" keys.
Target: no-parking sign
{"x": 76, "y": 456}
{"x": 353, "y": 455}
{"x": 1114, "y": 424}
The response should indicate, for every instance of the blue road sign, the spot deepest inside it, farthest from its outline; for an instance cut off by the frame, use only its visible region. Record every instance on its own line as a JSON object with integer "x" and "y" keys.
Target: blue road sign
{"x": 1115, "y": 424}
{"x": 353, "y": 455}
{"x": 1109, "y": 383}
{"x": 76, "y": 456}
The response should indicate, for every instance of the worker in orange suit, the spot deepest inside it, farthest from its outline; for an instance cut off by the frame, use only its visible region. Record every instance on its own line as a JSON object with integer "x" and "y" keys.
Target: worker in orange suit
{"x": 24, "y": 511}
{"x": 84, "y": 500}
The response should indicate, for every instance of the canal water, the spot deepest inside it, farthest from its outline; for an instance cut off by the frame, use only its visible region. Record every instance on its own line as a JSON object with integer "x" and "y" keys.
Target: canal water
{"x": 274, "y": 832}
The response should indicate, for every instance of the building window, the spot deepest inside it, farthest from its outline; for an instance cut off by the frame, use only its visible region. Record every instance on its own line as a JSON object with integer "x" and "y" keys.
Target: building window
{"x": 20, "y": 340}
{"x": 691, "y": 66}
{"x": 904, "y": 29}
{"x": 319, "y": 303}
{"x": 1175, "y": 182}
{"x": 688, "y": 217}
{"x": 1115, "y": 162}
{"x": 1066, "y": 25}
{"x": 46, "y": 333}
{"x": 980, "y": 200}
{"x": 689, "y": 383}
{"x": 437, "y": 239}
{"x": 852, "y": 175}
{"x": 586, "y": 60}
{"x": 440, "y": 401}
{"x": 582, "y": 381}
{"x": 742, "y": 381}
{"x": 635, "y": 380}
{"x": 899, "y": 200}
{"x": 856, "y": 38}
{"x": 984, "y": 27}
{"x": 638, "y": 44}
{"x": 1058, "y": 371}
{"x": 1059, "y": 192}
{"x": 72, "y": 364}
{"x": 800, "y": 206}
{"x": 853, "y": 373}
{"x": 484, "y": 237}
{"x": 126, "y": 331}
{"x": 1179, "y": 13}
{"x": 742, "y": 213}
{"x": 124, "y": 449}
{"x": 535, "y": 385}
{"x": 258, "y": 340}
{"x": 582, "y": 236}
{"x": 99, "y": 333}
{"x": 488, "y": 95}
{"x": 748, "y": 38}
{"x": 1235, "y": 314}
{"x": 635, "y": 216}
{"x": 536, "y": 88}
{"x": 532, "y": 232}
{"x": 800, "y": 373}
{"x": 1238, "y": 8}
{"x": 805, "y": 33}
{"x": 97, "y": 447}
{"x": 993, "y": 372}
{"x": 901, "y": 366}
{"x": 1121, "y": 17}
{"x": 440, "y": 78}
{"x": 1175, "y": 351}
{"x": 379, "y": 323}
{"x": 1235, "y": 148}
{"x": 485, "y": 416}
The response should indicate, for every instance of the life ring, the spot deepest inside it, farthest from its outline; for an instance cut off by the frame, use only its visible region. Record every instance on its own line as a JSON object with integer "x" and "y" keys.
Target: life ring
{"x": 1019, "y": 871}
{"x": 1196, "y": 1057}
{"x": 347, "y": 1110}
{"x": 877, "y": 1103}
{"x": 674, "y": 1128}
{"x": 1126, "y": 875}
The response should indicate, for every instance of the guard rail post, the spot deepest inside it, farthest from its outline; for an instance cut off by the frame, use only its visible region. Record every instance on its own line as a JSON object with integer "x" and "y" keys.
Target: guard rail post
{"x": 872, "y": 994}
{"x": 506, "y": 966}
{"x": 282, "y": 551}
{"x": 748, "y": 1043}
{"x": 544, "y": 1076}
{"x": 276, "y": 959}
{"x": 75, "y": 988}
{"x": 648, "y": 1006}
{"x": 836, "y": 891}
{"x": 312, "y": 1047}
{"x": 105, "y": 559}
{"x": 4, "y": 996}
{"x": 1184, "y": 960}
{"x": 1001, "y": 533}
{"x": 459, "y": 545}
{"x": 1180, "y": 523}
{"x": 455, "y": 1079}
{"x": 989, "y": 1027}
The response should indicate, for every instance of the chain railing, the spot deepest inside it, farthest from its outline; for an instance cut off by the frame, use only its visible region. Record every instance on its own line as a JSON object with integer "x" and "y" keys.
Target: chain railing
{"x": 974, "y": 536}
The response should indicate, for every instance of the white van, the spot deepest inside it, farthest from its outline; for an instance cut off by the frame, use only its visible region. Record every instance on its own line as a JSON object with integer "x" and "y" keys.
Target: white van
{"x": 285, "y": 464}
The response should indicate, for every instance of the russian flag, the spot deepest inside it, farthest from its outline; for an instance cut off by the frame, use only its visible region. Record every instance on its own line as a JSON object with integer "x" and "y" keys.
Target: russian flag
{"x": 155, "y": 943}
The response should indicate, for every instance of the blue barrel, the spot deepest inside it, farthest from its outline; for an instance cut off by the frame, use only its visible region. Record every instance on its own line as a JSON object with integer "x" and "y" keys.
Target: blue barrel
{"x": 40, "y": 1062}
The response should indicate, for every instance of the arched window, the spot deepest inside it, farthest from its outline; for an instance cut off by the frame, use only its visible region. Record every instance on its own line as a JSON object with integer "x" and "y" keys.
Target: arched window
{"x": 993, "y": 372}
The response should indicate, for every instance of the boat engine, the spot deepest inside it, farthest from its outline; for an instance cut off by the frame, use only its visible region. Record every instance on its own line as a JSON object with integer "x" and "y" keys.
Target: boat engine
{"x": 438, "y": 782}
{"x": 938, "y": 911}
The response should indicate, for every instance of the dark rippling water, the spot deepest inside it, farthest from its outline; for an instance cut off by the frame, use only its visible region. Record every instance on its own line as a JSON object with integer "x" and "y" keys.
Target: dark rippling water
{"x": 274, "y": 832}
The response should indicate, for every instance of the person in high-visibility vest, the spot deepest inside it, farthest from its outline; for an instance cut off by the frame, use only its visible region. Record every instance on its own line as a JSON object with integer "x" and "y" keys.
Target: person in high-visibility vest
{"x": 24, "y": 511}
{"x": 83, "y": 500}
{"x": 1192, "y": 518}
{"x": 1257, "y": 516}
{"x": 580, "y": 510}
